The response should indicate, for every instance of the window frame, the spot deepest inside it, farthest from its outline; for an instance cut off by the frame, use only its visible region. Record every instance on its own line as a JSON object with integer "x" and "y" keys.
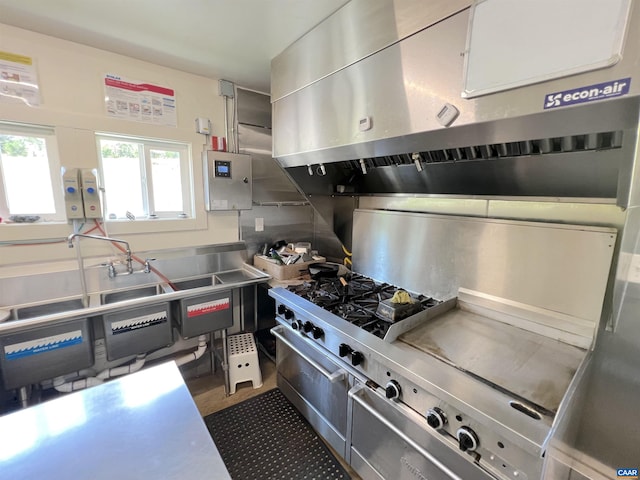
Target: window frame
{"x": 48, "y": 134}
{"x": 146, "y": 175}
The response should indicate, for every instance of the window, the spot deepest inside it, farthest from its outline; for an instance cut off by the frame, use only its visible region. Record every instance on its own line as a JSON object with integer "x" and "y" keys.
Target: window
{"x": 145, "y": 178}
{"x": 30, "y": 181}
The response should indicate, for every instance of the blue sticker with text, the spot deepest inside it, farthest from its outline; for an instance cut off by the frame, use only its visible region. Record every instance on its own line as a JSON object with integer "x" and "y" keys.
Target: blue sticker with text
{"x": 18, "y": 351}
{"x": 627, "y": 473}
{"x": 598, "y": 91}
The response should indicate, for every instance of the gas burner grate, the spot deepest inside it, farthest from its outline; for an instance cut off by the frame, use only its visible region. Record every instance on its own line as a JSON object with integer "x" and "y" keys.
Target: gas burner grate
{"x": 377, "y": 327}
{"x": 355, "y": 300}
{"x": 352, "y": 312}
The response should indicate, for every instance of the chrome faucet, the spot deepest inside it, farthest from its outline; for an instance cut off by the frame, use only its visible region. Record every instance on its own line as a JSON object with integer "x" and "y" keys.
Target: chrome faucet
{"x": 112, "y": 272}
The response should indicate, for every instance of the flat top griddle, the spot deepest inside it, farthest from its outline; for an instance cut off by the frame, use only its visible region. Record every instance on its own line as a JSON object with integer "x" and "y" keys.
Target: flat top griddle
{"x": 532, "y": 367}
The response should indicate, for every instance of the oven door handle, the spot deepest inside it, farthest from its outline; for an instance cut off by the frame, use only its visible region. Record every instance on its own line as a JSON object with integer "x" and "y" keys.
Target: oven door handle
{"x": 353, "y": 394}
{"x": 332, "y": 377}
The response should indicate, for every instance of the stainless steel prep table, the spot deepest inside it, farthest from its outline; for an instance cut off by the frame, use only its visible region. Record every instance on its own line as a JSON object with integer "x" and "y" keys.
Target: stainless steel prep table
{"x": 144, "y": 425}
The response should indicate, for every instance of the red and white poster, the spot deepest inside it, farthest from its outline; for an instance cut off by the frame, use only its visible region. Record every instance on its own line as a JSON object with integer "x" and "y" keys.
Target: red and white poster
{"x": 140, "y": 102}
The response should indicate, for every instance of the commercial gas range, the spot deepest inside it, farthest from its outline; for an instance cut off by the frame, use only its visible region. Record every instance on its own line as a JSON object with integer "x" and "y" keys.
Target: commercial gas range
{"x": 467, "y": 373}
{"x": 376, "y": 379}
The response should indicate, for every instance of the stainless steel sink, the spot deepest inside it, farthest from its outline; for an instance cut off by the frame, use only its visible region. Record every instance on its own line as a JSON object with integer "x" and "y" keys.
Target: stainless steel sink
{"x": 127, "y": 289}
{"x": 234, "y": 276}
{"x": 47, "y": 309}
{"x": 130, "y": 294}
{"x": 207, "y": 281}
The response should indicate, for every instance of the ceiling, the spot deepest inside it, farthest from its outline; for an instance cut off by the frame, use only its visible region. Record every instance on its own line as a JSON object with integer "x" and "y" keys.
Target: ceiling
{"x": 230, "y": 39}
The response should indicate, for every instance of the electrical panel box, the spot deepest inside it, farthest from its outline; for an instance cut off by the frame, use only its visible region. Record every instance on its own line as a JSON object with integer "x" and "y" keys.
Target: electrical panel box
{"x": 203, "y": 125}
{"x": 72, "y": 193}
{"x": 90, "y": 194}
{"x": 228, "y": 181}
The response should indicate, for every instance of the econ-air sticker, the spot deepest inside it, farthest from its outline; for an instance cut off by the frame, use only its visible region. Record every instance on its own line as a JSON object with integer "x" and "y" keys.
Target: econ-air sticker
{"x": 589, "y": 93}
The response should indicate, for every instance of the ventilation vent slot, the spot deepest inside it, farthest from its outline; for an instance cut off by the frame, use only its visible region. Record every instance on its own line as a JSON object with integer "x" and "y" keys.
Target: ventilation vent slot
{"x": 545, "y": 146}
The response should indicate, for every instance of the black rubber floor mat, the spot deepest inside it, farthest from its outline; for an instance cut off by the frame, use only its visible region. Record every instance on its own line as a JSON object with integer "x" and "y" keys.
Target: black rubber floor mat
{"x": 265, "y": 437}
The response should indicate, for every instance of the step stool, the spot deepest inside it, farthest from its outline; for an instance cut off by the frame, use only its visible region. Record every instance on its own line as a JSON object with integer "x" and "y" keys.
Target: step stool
{"x": 243, "y": 361}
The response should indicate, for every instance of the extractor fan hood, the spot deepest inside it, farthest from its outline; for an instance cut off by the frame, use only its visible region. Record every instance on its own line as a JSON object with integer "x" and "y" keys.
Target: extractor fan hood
{"x": 392, "y": 112}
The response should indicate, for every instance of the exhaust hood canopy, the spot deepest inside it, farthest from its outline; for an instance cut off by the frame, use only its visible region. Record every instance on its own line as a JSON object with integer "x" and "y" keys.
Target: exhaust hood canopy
{"x": 373, "y": 126}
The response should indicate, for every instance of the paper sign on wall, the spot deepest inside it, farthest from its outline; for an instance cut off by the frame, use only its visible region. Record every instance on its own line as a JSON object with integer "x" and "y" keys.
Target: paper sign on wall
{"x": 18, "y": 79}
{"x": 140, "y": 102}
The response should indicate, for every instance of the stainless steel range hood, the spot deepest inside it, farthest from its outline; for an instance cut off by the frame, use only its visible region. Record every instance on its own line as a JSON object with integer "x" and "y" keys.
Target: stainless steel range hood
{"x": 358, "y": 114}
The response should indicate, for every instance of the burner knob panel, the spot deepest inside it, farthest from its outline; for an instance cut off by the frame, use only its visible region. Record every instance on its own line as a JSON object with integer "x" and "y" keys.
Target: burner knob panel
{"x": 308, "y": 326}
{"x": 436, "y": 418}
{"x": 357, "y": 358}
{"x": 392, "y": 391}
{"x": 344, "y": 350}
{"x": 281, "y": 309}
{"x": 467, "y": 439}
{"x": 288, "y": 314}
{"x": 317, "y": 332}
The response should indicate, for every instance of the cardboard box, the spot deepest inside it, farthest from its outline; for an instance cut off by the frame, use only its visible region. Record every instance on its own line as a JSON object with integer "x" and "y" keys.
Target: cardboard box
{"x": 283, "y": 272}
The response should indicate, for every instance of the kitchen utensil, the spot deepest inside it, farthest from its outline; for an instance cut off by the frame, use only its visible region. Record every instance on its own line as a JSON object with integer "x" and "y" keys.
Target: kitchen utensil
{"x": 323, "y": 270}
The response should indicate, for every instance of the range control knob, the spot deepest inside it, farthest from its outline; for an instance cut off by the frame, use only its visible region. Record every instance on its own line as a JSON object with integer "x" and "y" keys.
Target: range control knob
{"x": 317, "y": 332}
{"x": 296, "y": 325}
{"x": 288, "y": 314}
{"x": 356, "y": 358}
{"x": 344, "y": 350}
{"x": 467, "y": 439}
{"x": 281, "y": 309}
{"x": 436, "y": 418}
{"x": 392, "y": 391}
{"x": 308, "y": 326}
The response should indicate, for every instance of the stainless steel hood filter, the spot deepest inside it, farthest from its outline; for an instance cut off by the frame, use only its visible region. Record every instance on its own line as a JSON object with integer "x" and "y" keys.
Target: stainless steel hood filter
{"x": 574, "y": 166}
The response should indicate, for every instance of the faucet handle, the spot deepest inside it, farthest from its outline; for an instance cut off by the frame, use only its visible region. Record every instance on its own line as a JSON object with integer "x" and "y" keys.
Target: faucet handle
{"x": 111, "y": 267}
{"x": 147, "y": 264}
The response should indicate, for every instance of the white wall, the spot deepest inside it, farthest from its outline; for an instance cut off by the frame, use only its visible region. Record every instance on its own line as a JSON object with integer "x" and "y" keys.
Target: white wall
{"x": 71, "y": 78}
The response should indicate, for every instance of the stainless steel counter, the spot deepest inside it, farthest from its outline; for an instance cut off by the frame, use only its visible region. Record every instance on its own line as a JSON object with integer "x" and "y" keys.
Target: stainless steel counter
{"x": 144, "y": 425}
{"x": 600, "y": 432}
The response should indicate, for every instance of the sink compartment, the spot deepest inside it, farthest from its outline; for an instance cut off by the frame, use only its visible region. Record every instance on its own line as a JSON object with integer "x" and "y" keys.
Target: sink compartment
{"x": 33, "y": 356}
{"x": 197, "y": 283}
{"x": 204, "y": 313}
{"x": 130, "y": 294}
{"x": 137, "y": 330}
{"x": 234, "y": 276}
{"x": 48, "y": 309}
